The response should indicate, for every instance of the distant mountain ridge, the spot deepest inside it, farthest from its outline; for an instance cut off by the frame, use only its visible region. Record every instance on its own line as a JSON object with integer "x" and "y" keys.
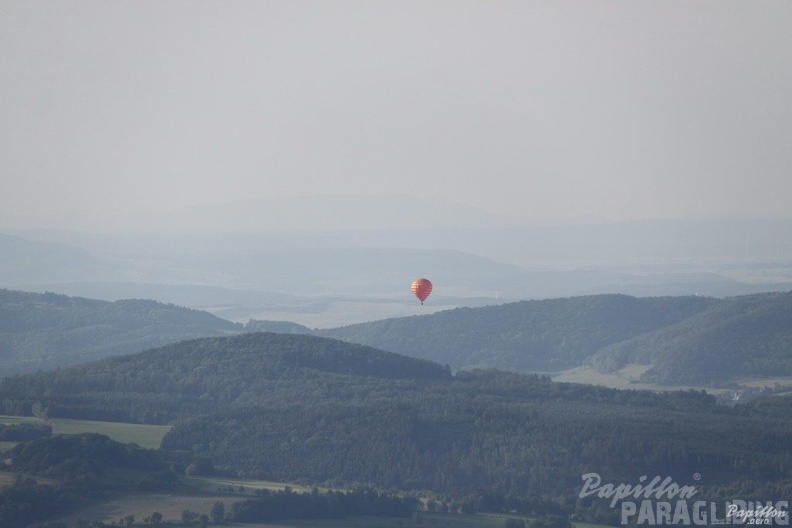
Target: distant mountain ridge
{"x": 47, "y": 330}
{"x": 545, "y": 335}
{"x": 677, "y": 340}
{"x": 24, "y": 260}
{"x": 331, "y": 277}
{"x": 683, "y": 340}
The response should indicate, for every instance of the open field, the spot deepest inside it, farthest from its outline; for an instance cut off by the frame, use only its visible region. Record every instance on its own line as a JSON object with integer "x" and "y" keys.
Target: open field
{"x": 623, "y": 379}
{"x": 148, "y": 436}
{"x": 142, "y": 505}
{"x": 767, "y": 382}
{"x": 592, "y": 376}
{"x": 213, "y": 484}
{"x": 13, "y": 420}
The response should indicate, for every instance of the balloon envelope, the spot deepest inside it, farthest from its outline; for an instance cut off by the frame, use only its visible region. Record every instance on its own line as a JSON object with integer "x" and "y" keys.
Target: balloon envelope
{"x": 421, "y": 288}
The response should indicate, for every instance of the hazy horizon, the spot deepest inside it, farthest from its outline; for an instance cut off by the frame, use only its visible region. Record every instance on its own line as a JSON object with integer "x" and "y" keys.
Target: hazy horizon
{"x": 608, "y": 109}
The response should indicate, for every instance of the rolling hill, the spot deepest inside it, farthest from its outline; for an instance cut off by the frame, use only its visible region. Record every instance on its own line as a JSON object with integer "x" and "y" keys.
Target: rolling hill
{"x": 212, "y": 374}
{"x": 546, "y": 335}
{"x": 23, "y": 260}
{"x": 740, "y": 337}
{"x": 682, "y": 340}
{"x": 675, "y": 340}
{"x": 318, "y": 410}
{"x": 45, "y": 331}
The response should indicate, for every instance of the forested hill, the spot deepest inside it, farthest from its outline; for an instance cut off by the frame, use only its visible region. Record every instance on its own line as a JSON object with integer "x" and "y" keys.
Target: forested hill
{"x": 684, "y": 340}
{"x": 211, "y": 374}
{"x": 304, "y": 408}
{"x": 544, "y": 335}
{"x": 747, "y": 336}
{"x": 44, "y": 331}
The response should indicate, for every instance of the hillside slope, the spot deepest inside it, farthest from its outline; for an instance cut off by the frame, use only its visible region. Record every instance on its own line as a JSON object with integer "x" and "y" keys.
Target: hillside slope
{"x": 303, "y": 408}
{"x": 211, "y": 374}
{"x": 748, "y": 336}
{"x": 23, "y": 260}
{"x": 45, "y": 331}
{"x": 547, "y": 335}
{"x": 683, "y": 340}
{"x": 508, "y": 434}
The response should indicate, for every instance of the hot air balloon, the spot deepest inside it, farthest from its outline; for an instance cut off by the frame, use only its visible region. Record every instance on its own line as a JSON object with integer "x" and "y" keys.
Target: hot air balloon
{"x": 421, "y": 288}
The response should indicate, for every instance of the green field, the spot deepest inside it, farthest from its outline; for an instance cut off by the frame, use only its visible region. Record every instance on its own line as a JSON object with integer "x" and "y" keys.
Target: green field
{"x": 148, "y": 436}
{"x": 212, "y": 484}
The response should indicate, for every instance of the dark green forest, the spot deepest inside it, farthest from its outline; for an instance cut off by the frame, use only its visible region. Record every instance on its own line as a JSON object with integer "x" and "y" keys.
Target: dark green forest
{"x": 86, "y": 467}
{"x": 748, "y": 336}
{"x": 319, "y": 411}
{"x": 315, "y": 410}
{"x": 47, "y": 330}
{"x": 278, "y": 505}
{"x": 22, "y": 432}
{"x": 214, "y": 374}
{"x": 685, "y": 340}
{"x": 510, "y": 434}
{"x": 77, "y": 468}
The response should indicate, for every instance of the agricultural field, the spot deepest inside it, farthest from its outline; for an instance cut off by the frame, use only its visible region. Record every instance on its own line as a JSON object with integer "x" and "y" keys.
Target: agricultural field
{"x": 147, "y": 436}
{"x": 241, "y": 486}
{"x": 141, "y": 505}
{"x": 781, "y": 381}
{"x": 13, "y": 420}
{"x": 199, "y": 498}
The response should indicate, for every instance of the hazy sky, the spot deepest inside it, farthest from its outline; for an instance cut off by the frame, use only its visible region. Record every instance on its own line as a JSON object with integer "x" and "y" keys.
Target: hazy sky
{"x": 621, "y": 109}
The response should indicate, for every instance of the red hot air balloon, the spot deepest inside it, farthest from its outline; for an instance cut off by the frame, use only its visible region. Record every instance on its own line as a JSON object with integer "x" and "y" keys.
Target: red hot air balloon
{"x": 421, "y": 288}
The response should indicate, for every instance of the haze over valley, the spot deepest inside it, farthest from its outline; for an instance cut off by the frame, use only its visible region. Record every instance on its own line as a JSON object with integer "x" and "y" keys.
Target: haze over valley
{"x": 329, "y": 273}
